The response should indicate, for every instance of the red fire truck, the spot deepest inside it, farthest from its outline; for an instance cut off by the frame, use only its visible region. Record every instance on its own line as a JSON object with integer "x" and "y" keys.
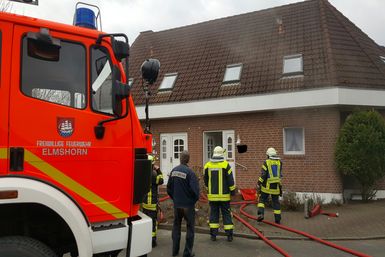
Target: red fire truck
{"x": 73, "y": 156}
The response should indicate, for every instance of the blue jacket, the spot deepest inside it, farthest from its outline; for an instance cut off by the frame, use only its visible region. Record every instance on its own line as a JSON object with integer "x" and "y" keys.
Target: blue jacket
{"x": 183, "y": 187}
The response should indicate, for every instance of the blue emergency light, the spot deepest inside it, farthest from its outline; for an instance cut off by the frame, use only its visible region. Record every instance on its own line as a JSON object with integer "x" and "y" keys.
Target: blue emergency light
{"x": 85, "y": 16}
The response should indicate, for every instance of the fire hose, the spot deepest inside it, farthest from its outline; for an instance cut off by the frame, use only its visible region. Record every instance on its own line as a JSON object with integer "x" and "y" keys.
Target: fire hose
{"x": 317, "y": 239}
{"x": 243, "y": 204}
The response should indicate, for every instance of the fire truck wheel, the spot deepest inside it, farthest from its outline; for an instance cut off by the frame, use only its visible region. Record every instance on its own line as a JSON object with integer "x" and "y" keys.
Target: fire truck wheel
{"x": 20, "y": 246}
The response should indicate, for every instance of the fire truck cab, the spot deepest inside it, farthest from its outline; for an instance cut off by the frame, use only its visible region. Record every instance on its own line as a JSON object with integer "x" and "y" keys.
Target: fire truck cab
{"x": 73, "y": 155}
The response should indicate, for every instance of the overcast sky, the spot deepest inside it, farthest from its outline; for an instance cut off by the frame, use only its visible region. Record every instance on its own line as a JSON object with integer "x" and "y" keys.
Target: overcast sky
{"x": 134, "y": 16}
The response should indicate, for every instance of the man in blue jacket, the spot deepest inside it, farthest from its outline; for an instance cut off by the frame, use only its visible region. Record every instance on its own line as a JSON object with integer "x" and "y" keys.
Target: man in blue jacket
{"x": 183, "y": 188}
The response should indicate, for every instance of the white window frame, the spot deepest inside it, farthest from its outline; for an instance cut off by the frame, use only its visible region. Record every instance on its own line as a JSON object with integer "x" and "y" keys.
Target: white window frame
{"x": 162, "y": 86}
{"x": 382, "y": 58}
{"x": 231, "y": 66}
{"x": 285, "y": 151}
{"x": 130, "y": 82}
{"x": 292, "y": 57}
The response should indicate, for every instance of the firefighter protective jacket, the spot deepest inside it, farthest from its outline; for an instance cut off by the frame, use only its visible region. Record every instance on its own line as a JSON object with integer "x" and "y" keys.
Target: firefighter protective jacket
{"x": 151, "y": 198}
{"x": 219, "y": 180}
{"x": 270, "y": 180}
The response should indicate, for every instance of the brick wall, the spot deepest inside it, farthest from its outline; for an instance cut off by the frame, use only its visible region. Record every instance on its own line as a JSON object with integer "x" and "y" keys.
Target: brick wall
{"x": 312, "y": 172}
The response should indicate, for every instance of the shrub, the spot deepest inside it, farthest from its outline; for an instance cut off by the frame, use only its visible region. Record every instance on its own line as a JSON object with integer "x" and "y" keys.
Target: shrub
{"x": 290, "y": 201}
{"x": 313, "y": 200}
{"x": 360, "y": 150}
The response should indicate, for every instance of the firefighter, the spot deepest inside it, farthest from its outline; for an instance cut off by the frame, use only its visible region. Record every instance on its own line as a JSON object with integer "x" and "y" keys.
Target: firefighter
{"x": 150, "y": 203}
{"x": 269, "y": 184}
{"x": 219, "y": 180}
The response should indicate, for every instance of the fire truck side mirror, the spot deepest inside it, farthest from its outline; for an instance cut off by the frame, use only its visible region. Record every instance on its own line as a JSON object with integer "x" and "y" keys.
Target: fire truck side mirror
{"x": 42, "y": 45}
{"x": 119, "y": 92}
{"x": 121, "y": 49}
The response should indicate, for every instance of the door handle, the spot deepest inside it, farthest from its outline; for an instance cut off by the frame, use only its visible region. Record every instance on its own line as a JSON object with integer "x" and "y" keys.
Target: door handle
{"x": 16, "y": 159}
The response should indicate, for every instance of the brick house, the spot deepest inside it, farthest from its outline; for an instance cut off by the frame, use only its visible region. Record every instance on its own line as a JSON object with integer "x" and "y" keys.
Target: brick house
{"x": 284, "y": 77}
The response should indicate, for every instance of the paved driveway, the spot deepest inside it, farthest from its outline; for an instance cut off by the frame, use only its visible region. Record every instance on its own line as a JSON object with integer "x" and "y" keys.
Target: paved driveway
{"x": 242, "y": 247}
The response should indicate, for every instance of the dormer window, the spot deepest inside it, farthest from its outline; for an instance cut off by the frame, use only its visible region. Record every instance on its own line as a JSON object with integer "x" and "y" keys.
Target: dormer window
{"x": 168, "y": 81}
{"x": 382, "y": 58}
{"x": 292, "y": 65}
{"x": 232, "y": 73}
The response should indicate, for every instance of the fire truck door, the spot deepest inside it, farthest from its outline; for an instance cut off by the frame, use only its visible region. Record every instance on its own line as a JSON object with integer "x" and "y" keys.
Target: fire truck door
{"x": 53, "y": 115}
{"x": 5, "y": 63}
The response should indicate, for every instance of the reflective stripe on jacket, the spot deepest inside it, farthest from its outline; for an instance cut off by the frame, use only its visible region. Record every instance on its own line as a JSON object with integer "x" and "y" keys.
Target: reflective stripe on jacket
{"x": 150, "y": 200}
{"x": 270, "y": 180}
{"x": 219, "y": 180}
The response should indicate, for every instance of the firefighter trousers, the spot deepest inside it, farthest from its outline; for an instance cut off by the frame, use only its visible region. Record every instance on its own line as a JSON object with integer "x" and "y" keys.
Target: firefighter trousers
{"x": 215, "y": 208}
{"x": 263, "y": 199}
{"x": 154, "y": 216}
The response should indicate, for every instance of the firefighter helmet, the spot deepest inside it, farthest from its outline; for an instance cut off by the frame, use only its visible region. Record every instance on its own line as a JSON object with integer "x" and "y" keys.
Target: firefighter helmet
{"x": 219, "y": 152}
{"x": 271, "y": 152}
{"x": 151, "y": 158}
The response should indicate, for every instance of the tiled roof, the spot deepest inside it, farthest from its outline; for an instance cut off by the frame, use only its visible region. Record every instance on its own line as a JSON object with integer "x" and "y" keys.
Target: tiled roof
{"x": 335, "y": 53}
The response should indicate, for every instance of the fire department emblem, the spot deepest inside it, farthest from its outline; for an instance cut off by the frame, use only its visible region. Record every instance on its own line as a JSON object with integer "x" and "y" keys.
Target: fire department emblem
{"x": 65, "y": 126}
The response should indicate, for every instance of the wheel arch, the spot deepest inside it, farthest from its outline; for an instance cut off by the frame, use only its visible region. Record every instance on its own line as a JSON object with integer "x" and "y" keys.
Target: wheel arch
{"x": 30, "y": 190}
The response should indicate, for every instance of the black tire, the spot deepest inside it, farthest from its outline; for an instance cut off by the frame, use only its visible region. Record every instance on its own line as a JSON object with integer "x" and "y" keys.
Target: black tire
{"x": 21, "y": 246}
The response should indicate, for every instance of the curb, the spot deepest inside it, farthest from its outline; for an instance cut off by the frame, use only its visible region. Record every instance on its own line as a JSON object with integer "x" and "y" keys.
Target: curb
{"x": 202, "y": 230}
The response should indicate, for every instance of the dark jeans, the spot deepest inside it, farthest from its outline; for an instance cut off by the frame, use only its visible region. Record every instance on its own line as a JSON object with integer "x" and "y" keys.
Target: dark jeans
{"x": 189, "y": 215}
{"x": 215, "y": 208}
{"x": 263, "y": 198}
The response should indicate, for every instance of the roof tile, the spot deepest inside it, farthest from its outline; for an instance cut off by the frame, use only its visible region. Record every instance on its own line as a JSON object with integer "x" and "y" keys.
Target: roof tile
{"x": 335, "y": 53}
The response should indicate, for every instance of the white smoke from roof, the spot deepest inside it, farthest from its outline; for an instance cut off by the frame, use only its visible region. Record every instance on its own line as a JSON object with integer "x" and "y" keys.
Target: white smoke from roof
{"x": 134, "y": 16}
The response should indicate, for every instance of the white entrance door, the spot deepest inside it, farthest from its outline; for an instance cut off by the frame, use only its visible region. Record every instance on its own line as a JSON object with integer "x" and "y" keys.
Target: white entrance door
{"x": 229, "y": 145}
{"x": 171, "y": 145}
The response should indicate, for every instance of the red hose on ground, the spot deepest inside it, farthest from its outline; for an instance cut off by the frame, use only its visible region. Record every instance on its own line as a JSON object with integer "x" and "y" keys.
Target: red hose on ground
{"x": 305, "y": 234}
{"x": 204, "y": 199}
{"x": 256, "y": 231}
{"x": 243, "y": 202}
{"x": 164, "y": 198}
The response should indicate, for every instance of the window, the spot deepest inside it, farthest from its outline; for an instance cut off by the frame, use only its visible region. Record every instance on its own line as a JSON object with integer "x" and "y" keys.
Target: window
{"x": 230, "y": 148}
{"x": 382, "y": 58}
{"x": 164, "y": 149}
{"x": 61, "y": 82}
{"x": 168, "y": 81}
{"x": 101, "y": 80}
{"x": 210, "y": 147}
{"x": 233, "y": 73}
{"x": 130, "y": 82}
{"x": 178, "y": 147}
{"x": 294, "y": 141}
{"x": 293, "y": 64}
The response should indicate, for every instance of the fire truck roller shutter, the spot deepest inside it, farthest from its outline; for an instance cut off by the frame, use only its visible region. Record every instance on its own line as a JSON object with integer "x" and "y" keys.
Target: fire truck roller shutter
{"x": 142, "y": 179}
{"x": 32, "y": 191}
